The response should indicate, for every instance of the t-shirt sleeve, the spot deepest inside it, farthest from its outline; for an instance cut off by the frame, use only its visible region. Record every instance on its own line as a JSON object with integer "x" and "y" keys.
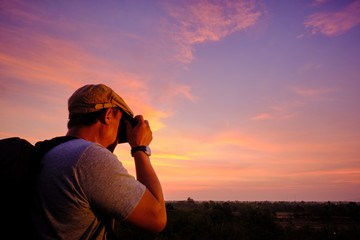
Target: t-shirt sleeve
{"x": 108, "y": 186}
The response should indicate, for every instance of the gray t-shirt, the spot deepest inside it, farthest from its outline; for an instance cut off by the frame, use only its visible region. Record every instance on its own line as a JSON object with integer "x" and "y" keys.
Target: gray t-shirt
{"x": 81, "y": 184}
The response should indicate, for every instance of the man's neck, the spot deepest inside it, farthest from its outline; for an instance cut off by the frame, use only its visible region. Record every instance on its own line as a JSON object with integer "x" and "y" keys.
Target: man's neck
{"x": 87, "y": 133}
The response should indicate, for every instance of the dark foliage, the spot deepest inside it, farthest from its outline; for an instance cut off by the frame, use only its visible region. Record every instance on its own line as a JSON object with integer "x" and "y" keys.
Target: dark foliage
{"x": 254, "y": 220}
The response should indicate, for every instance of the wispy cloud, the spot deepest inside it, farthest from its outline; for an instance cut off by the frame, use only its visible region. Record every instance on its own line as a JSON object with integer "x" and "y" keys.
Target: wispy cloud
{"x": 205, "y": 20}
{"x": 334, "y": 23}
{"x": 212, "y": 145}
{"x": 261, "y": 116}
{"x": 173, "y": 91}
{"x": 315, "y": 94}
{"x": 277, "y": 113}
{"x": 318, "y": 2}
{"x": 310, "y": 67}
{"x": 171, "y": 156}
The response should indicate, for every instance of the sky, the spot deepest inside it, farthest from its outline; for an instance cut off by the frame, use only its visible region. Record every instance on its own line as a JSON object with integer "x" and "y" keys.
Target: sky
{"x": 247, "y": 100}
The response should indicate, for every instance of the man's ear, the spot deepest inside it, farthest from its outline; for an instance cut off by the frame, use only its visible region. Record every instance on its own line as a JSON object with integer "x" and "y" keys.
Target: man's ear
{"x": 108, "y": 114}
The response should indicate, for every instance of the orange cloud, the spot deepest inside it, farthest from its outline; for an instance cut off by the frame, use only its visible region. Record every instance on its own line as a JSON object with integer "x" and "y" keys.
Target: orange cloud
{"x": 171, "y": 156}
{"x": 334, "y": 23}
{"x": 200, "y": 21}
{"x": 47, "y": 64}
{"x": 270, "y": 149}
{"x": 355, "y": 172}
{"x": 215, "y": 146}
{"x": 193, "y": 161}
{"x": 62, "y": 66}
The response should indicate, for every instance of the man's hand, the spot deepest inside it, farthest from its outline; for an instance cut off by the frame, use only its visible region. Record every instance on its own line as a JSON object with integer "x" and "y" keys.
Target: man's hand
{"x": 141, "y": 134}
{"x": 150, "y": 213}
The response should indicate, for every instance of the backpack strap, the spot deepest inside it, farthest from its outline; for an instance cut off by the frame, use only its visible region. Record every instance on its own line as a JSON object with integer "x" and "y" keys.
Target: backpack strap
{"x": 44, "y": 146}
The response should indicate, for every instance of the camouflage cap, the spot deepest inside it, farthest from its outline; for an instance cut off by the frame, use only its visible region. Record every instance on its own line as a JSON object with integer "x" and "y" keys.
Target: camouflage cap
{"x": 92, "y": 98}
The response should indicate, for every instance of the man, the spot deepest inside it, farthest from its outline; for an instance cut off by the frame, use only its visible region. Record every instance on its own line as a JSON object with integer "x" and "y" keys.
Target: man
{"x": 82, "y": 184}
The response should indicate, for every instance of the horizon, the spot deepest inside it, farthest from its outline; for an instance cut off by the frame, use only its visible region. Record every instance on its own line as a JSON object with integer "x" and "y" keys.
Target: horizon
{"x": 264, "y": 201}
{"x": 248, "y": 100}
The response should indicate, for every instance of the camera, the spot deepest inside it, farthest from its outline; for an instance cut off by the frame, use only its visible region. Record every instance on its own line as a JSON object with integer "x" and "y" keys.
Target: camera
{"x": 122, "y": 137}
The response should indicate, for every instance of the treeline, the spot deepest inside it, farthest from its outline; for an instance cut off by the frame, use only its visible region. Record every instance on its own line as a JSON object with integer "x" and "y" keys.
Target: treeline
{"x": 254, "y": 220}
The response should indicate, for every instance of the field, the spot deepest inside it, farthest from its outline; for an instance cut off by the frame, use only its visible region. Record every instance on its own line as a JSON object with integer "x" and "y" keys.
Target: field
{"x": 255, "y": 220}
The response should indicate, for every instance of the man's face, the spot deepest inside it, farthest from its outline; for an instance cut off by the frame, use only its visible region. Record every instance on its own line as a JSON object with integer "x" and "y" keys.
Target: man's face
{"x": 113, "y": 128}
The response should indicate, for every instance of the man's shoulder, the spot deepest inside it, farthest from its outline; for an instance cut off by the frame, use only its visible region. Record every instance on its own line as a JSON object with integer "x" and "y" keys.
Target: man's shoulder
{"x": 78, "y": 145}
{"x": 73, "y": 149}
{"x": 94, "y": 149}
{"x": 83, "y": 156}
{"x": 94, "y": 154}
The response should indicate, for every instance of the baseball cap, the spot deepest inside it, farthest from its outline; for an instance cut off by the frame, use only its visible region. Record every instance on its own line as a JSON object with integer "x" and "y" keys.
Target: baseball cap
{"x": 92, "y": 98}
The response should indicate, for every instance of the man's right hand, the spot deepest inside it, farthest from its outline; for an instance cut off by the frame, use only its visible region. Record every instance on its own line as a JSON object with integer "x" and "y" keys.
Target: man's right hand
{"x": 141, "y": 134}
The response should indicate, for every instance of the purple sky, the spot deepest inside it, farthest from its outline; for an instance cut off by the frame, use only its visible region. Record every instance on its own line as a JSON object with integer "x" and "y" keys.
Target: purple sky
{"x": 248, "y": 100}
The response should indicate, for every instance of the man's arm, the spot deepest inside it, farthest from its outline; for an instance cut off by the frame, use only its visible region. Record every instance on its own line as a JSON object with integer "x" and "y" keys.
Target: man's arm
{"x": 150, "y": 213}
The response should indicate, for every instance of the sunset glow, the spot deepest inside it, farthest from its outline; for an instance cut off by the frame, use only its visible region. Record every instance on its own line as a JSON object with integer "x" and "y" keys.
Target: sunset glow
{"x": 247, "y": 99}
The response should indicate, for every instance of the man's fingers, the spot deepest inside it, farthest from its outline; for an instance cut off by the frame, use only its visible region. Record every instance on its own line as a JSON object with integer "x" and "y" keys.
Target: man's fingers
{"x": 146, "y": 123}
{"x": 140, "y": 118}
{"x": 141, "y": 134}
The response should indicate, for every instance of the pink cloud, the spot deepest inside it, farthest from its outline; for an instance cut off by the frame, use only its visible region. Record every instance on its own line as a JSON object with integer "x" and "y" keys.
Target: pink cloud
{"x": 318, "y": 2}
{"x": 315, "y": 94}
{"x": 172, "y": 90}
{"x": 276, "y": 113}
{"x": 200, "y": 21}
{"x": 288, "y": 116}
{"x": 261, "y": 116}
{"x": 334, "y": 23}
{"x": 43, "y": 64}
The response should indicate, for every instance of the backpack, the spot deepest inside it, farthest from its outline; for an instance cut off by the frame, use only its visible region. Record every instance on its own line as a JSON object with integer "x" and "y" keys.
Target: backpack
{"x": 20, "y": 163}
